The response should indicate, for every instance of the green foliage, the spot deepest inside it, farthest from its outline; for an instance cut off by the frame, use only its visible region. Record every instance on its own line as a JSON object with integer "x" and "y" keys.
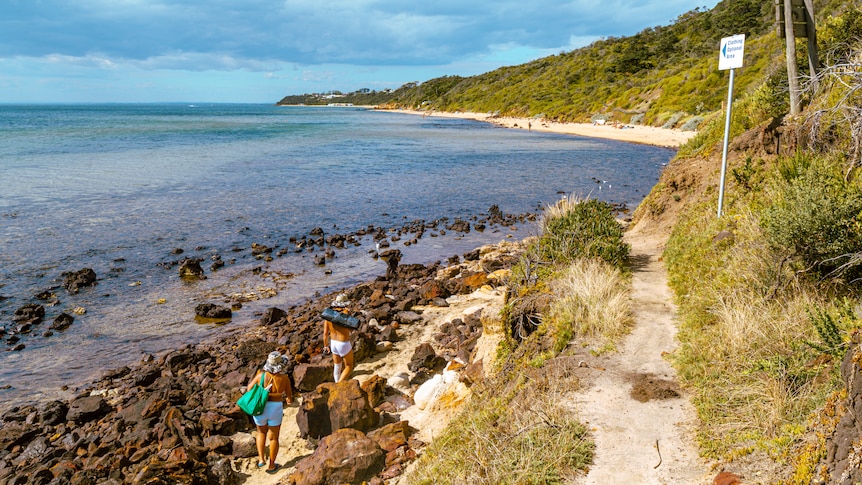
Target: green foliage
{"x": 838, "y": 36}
{"x": 743, "y": 175}
{"x": 360, "y": 97}
{"x": 667, "y": 69}
{"x": 832, "y": 328}
{"x": 587, "y": 230}
{"x": 817, "y": 217}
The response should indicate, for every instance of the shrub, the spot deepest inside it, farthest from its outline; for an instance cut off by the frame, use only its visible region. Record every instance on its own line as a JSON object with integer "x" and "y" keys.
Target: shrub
{"x": 816, "y": 218}
{"x": 576, "y": 228}
{"x": 692, "y": 123}
{"x": 672, "y": 121}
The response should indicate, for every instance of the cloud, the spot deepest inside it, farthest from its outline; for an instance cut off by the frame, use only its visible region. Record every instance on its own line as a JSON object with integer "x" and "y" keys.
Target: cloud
{"x": 260, "y": 35}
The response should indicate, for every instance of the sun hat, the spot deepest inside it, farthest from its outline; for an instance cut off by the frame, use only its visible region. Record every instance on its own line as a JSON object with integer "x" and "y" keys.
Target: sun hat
{"x": 276, "y": 363}
{"x": 341, "y": 301}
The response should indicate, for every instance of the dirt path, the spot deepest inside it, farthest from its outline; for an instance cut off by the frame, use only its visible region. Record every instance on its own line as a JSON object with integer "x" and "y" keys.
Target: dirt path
{"x": 643, "y": 425}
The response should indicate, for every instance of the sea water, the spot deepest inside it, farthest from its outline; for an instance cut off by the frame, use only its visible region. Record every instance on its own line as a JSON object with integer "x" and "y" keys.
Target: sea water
{"x": 130, "y": 189}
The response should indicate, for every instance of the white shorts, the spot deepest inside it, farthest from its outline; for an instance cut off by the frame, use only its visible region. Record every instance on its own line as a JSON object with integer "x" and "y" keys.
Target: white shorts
{"x": 340, "y": 348}
{"x": 273, "y": 412}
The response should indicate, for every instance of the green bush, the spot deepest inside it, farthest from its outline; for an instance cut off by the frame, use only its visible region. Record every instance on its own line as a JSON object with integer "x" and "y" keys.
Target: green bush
{"x": 585, "y": 230}
{"x": 817, "y": 218}
{"x": 832, "y": 328}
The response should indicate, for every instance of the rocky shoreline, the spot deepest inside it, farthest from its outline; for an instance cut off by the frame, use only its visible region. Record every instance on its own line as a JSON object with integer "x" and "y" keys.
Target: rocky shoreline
{"x": 44, "y": 306}
{"x": 172, "y": 418}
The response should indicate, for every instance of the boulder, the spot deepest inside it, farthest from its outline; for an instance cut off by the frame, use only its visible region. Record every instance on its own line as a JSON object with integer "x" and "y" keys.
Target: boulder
{"x": 408, "y": 317}
{"x": 77, "y": 279}
{"x": 30, "y": 312}
{"x": 12, "y": 434}
{"x": 335, "y": 406}
{"x": 62, "y": 322}
{"x": 86, "y": 409}
{"x": 220, "y": 472}
{"x": 272, "y": 316}
{"x": 346, "y": 456}
{"x": 312, "y": 418}
{"x": 190, "y": 268}
{"x": 213, "y": 311}
{"x": 375, "y": 388}
{"x": 392, "y": 257}
{"x": 307, "y": 377}
{"x": 424, "y": 357}
{"x": 433, "y": 289}
{"x": 459, "y": 226}
{"x": 387, "y": 334}
{"x": 243, "y": 445}
{"x": 468, "y": 282}
{"x": 392, "y": 436}
{"x": 53, "y": 413}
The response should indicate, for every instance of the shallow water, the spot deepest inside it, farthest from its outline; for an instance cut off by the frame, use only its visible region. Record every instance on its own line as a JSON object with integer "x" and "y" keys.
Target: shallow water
{"x": 119, "y": 188}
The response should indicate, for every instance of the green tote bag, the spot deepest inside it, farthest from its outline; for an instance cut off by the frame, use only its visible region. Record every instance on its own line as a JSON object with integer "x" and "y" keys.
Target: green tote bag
{"x": 254, "y": 400}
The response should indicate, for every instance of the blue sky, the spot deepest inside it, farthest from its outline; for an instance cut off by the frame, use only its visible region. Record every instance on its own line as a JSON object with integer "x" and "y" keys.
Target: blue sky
{"x": 261, "y": 50}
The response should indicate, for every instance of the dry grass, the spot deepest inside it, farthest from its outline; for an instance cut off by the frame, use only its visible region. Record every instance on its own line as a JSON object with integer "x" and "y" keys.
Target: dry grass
{"x": 743, "y": 336}
{"x": 591, "y": 301}
{"x": 514, "y": 432}
{"x": 560, "y": 209}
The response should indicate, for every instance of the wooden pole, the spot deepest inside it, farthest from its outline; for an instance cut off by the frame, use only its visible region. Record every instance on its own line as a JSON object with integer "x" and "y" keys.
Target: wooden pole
{"x": 811, "y": 30}
{"x": 790, "y": 48}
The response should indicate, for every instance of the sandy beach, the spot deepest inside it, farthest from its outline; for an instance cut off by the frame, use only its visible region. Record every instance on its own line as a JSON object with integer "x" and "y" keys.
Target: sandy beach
{"x": 647, "y": 135}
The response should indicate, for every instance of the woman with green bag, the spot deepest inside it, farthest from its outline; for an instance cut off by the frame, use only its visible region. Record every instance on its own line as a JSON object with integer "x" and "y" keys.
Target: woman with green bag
{"x": 268, "y": 423}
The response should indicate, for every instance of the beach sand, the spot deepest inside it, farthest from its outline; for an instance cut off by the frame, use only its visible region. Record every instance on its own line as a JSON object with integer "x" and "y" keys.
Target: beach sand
{"x": 647, "y": 135}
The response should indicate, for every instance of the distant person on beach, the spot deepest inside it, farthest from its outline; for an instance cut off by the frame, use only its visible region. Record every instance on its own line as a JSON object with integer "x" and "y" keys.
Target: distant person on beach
{"x": 269, "y": 423}
{"x": 336, "y": 339}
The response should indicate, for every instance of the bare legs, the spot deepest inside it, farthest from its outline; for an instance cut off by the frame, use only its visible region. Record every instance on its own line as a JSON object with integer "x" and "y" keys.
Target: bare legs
{"x": 343, "y": 366}
{"x": 260, "y": 441}
{"x": 273, "y": 445}
{"x": 264, "y": 432}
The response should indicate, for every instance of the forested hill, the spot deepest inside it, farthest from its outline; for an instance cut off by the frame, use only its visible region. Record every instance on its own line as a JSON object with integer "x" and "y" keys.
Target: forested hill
{"x": 660, "y": 75}
{"x": 663, "y": 76}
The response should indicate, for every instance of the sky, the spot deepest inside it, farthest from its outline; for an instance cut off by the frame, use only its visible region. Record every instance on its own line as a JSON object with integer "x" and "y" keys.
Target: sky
{"x": 258, "y": 51}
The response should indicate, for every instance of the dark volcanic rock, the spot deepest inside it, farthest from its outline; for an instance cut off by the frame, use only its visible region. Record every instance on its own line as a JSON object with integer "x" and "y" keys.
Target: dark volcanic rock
{"x": 62, "y": 322}
{"x": 86, "y": 409}
{"x": 334, "y": 406}
{"x": 30, "y": 312}
{"x": 77, "y": 279}
{"x": 211, "y": 310}
{"x": 424, "y": 357}
{"x": 272, "y": 316}
{"x": 190, "y": 268}
{"x": 346, "y": 456}
{"x": 307, "y": 377}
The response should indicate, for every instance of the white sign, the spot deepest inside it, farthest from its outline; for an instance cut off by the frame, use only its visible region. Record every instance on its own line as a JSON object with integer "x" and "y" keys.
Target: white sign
{"x": 730, "y": 54}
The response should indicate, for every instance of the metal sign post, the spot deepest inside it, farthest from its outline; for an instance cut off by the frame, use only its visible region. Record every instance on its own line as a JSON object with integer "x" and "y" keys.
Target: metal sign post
{"x": 730, "y": 57}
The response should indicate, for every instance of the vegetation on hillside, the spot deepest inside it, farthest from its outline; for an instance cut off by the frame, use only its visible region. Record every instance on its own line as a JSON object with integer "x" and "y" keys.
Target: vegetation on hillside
{"x": 515, "y": 428}
{"x": 768, "y": 294}
{"x": 661, "y": 76}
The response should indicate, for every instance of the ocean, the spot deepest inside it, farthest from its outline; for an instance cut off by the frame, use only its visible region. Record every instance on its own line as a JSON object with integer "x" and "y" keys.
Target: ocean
{"x": 130, "y": 189}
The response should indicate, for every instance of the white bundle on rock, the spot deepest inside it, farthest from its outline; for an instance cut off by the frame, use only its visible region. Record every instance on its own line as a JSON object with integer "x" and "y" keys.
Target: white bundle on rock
{"x": 433, "y": 388}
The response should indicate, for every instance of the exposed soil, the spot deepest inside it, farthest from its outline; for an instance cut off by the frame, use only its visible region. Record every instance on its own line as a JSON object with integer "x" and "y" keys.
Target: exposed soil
{"x": 643, "y": 424}
{"x": 646, "y": 387}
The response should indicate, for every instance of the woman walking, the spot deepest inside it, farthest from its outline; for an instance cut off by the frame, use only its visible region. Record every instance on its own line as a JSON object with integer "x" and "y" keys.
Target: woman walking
{"x": 269, "y": 423}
